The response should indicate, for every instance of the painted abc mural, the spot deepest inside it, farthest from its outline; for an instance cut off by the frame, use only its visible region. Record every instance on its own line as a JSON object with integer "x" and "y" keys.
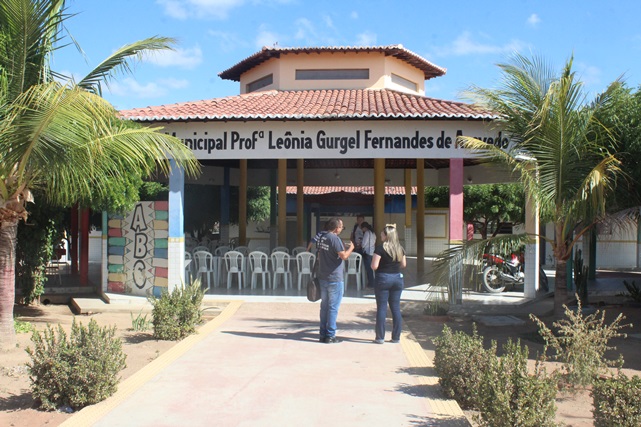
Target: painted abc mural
{"x": 137, "y": 249}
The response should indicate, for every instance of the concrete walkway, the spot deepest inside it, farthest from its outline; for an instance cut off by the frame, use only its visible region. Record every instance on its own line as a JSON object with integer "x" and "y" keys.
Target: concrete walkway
{"x": 260, "y": 364}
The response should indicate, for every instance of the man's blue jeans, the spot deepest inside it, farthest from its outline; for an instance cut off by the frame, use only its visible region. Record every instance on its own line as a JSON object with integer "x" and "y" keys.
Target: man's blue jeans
{"x": 331, "y": 297}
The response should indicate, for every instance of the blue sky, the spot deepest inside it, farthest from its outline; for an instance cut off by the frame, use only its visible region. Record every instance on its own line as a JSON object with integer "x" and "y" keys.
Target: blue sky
{"x": 467, "y": 37}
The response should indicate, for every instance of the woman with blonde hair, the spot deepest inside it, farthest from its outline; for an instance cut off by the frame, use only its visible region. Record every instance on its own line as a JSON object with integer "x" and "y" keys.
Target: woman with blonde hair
{"x": 387, "y": 261}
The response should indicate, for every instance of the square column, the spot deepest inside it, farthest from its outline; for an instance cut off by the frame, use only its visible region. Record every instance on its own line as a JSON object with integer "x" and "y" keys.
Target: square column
{"x": 176, "y": 238}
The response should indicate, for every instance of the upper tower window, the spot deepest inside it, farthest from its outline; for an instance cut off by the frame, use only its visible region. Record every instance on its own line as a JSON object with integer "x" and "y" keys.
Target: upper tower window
{"x": 335, "y": 74}
{"x": 402, "y": 81}
{"x": 260, "y": 83}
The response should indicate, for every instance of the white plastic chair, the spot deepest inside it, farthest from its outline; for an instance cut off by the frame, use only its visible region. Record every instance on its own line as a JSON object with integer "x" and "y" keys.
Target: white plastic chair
{"x": 200, "y": 248}
{"x": 281, "y": 249}
{"x": 280, "y": 266}
{"x": 205, "y": 265}
{"x": 242, "y": 249}
{"x": 235, "y": 263}
{"x": 262, "y": 249}
{"x": 259, "y": 265}
{"x": 305, "y": 263}
{"x": 354, "y": 265}
{"x": 298, "y": 249}
{"x": 221, "y": 250}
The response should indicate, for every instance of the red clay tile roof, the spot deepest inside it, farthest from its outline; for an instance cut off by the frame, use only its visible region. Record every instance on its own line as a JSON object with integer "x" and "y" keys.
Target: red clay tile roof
{"x": 367, "y": 190}
{"x": 336, "y": 104}
{"x": 429, "y": 70}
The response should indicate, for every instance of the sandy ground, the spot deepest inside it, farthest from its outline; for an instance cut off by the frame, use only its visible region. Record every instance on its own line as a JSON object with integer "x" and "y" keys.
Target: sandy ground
{"x": 16, "y": 403}
{"x": 573, "y": 410}
{"x": 17, "y": 406}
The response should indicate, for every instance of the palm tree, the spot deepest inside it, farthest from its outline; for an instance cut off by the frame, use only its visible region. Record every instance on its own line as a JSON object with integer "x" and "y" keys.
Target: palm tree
{"x": 61, "y": 138}
{"x": 557, "y": 152}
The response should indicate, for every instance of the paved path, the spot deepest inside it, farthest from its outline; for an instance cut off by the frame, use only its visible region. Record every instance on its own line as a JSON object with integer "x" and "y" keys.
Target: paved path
{"x": 260, "y": 364}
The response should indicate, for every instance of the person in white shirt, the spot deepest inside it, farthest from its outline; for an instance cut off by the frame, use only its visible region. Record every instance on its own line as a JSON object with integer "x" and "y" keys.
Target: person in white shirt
{"x": 368, "y": 245}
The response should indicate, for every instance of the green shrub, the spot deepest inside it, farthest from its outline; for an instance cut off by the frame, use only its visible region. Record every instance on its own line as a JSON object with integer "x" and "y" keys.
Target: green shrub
{"x": 436, "y": 308}
{"x": 460, "y": 361}
{"x": 78, "y": 371}
{"x": 617, "y": 401}
{"x": 509, "y": 396}
{"x": 633, "y": 290}
{"x": 22, "y": 327}
{"x": 581, "y": 342}
{"x": 176, "y": 314}
{"x": 140, "y": 323}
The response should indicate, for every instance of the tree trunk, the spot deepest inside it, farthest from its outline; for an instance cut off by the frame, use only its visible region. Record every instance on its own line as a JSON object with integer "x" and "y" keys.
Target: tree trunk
{"x": 8, "y": 234}
{"x": 560, "y": 288}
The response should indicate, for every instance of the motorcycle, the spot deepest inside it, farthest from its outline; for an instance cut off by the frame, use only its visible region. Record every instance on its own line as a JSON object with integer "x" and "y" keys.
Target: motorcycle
{"x": 498, "y": 272}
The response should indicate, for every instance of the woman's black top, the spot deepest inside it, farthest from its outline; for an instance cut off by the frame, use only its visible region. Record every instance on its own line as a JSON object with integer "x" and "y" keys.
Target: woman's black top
{"x": 386, "y": 264}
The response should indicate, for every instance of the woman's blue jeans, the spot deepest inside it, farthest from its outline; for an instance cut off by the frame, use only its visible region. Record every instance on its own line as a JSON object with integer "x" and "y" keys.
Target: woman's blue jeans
{"x": 388, "y": 289}
{"x": 331, "y": 297}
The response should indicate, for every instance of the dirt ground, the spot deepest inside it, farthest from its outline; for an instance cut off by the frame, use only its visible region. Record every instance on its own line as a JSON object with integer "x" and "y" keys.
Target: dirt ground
{"x": 16, "y": 403}
{"x": 17, "y": 406}
{"x": 573, "y": 410}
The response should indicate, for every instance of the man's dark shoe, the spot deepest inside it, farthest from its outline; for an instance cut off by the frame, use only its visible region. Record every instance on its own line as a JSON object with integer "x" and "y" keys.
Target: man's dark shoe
{"x": 332, "y": 340}
{"x": 322, "y": 339}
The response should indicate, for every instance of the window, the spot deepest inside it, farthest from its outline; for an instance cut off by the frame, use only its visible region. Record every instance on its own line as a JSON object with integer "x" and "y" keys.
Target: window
{"x": 402, "y": 81}
{"x": 260, "y": 83}
{"x": 337, "y": 74}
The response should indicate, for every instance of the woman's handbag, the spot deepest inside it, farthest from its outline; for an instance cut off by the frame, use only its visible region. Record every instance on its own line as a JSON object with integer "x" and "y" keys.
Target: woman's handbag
{"x": 313, "y": 286}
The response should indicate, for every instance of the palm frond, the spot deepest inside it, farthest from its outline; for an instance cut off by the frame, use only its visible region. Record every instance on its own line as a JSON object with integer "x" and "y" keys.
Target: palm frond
{"x": 31, "y": 29}
{"x": 448, "y": 267}
{"x": 69, "y": 140}
{"x": 120, "y": 62}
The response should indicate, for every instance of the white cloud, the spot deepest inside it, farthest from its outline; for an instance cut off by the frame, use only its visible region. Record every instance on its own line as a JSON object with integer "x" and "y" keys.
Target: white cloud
{"x": 305, "y": 29}
{"x": 366, "y": 39}
{"x": 131, "y": 88}
{"x": 533, "y": 20}
{"x": 588, "y": 74}
{"x": 466, "y": 45}
{"x": 184, "y": 58}
{"x": 228, "y": 42}
{"x": 266, "y": 37}
{"x": 202, "y": 9}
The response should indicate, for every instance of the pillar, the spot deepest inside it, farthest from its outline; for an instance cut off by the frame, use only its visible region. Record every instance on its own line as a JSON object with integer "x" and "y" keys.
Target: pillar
{"x": 73, "y": 239}
{"x": 84, "y": 247}
{"x": 225, "y": 201}
{"x": 176, "y": 236}
{"x": 379, "y": 195}
{"x": 282, "y": 202}
{"x": 104, "y": 272}
{"x": 242, "y": 204}
{"x": 420, "y": 216}
{"x": 409, "y": 241}
{"x": 532, "y": 253}
{"x": 300, "y": 203}
{"x": 456, "y": 201}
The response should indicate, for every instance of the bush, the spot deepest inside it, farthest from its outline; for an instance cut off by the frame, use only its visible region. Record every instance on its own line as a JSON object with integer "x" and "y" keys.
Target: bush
{"x": 617, "y": 401}
{"x": 509, "y": 396}
{"x": 176, "y": 314}
{"x": 460, "y": 361}
{"x": 140, "y": 323}
{"x": 581, "y": 344}
{"x": 633, "y": 290}
{"x": 77, "y": 372}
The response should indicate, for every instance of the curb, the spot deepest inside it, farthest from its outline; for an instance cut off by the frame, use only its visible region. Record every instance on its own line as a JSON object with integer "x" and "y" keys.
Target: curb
{"x": 91, "y": 414}
{"x": 439, "y": 407}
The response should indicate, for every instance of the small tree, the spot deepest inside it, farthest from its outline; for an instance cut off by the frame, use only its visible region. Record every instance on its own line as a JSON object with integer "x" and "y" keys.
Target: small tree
{"x": 487, "y": 206}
